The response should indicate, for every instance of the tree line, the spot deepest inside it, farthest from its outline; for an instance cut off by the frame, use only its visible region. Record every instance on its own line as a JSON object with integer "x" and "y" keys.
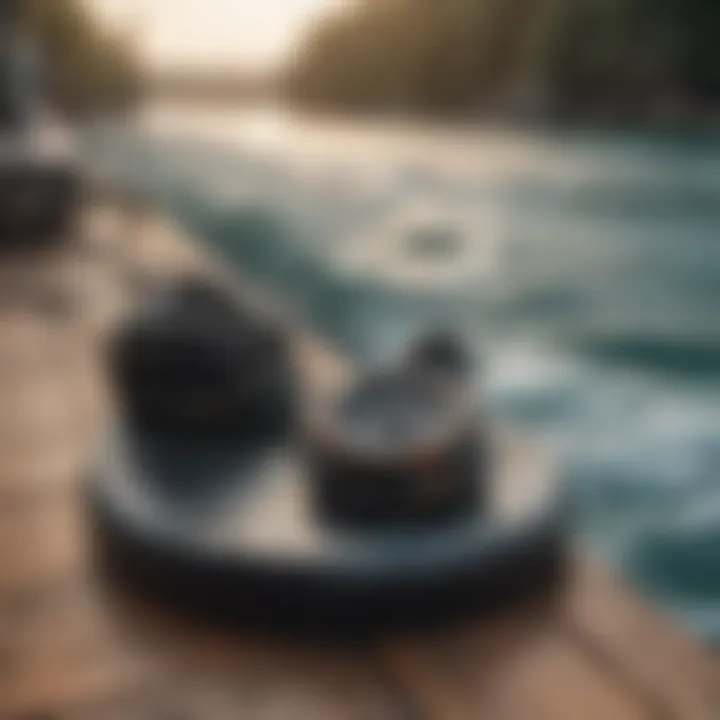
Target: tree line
{"x": 559, "y": 57}
{"x": 89, "y": 67}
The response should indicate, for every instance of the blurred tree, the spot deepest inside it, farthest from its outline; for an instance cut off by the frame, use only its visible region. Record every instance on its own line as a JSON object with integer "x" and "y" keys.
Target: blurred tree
{"x": 568, "y": 56}
{"x": 89, "y": 67}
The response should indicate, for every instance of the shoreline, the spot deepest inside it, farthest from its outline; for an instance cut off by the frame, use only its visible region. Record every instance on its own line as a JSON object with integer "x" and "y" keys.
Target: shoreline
{"x": 461, "y": 123}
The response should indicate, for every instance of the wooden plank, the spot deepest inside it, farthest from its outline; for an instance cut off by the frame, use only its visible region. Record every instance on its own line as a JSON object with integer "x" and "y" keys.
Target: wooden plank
{"x": 53, "y": 648}
{"x": 247, "y": 677}
{"x": 57, "y": 650}
{"x": 74, "y": 654}
{"x": 558, "y": 682}
{"x": 646, "y": 651}
{"x": 518, "y": 666}
{"x": 468, "y": 664}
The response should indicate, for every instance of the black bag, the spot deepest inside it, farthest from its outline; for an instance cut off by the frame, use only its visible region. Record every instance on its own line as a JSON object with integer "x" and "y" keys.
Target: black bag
{"x": 194, "y": 362}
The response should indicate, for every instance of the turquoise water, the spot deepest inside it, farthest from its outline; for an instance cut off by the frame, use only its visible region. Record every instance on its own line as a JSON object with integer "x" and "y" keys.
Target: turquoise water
{"x": 585, "y": 269}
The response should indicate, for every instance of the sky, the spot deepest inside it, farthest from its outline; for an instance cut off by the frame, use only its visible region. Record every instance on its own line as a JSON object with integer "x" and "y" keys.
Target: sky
{"x": 214, "y": 33}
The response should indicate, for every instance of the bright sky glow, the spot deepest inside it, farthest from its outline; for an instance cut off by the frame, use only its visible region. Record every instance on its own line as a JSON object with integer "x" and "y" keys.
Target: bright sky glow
{"x": 214, "y": 33}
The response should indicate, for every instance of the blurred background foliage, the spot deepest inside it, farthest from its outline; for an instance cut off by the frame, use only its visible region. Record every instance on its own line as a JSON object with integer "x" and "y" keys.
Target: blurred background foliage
{"x": 617, "y": 58}
{"x": 89, "y": 66}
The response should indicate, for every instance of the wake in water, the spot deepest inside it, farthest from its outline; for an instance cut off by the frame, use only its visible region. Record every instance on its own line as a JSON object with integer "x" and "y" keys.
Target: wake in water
{"x": 425, "y": 249}
{"x": 587, "y": 272}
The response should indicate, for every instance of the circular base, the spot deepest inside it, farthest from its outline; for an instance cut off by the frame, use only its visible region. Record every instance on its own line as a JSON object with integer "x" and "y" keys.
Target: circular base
{"x": 230, "y": 535}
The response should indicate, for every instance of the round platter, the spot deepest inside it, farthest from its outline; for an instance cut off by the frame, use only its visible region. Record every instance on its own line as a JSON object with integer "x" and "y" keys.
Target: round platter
{"x": 229, "y": 534}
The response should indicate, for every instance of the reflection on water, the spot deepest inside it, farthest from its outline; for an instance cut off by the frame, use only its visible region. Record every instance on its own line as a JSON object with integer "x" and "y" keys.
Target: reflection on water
{"x": 586, "y": 268}
{"x": 423, "y": 248}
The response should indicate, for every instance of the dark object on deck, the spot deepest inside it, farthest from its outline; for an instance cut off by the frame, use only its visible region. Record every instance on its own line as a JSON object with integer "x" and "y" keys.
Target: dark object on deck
{"x": 231, "y": 536}
{"x": 195, "y": 363}
{"x": 253, "y": 536}
{"x": 402, "y": 448}
{"x": 40, "y": 185}
{"x": 39, "y": 203}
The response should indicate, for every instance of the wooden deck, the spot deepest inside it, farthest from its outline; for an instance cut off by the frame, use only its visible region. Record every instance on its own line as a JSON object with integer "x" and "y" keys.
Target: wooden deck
{"x": 70, "y": 650}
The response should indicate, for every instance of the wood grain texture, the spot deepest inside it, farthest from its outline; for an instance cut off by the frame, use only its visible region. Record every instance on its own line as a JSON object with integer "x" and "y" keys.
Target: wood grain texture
{"x": 519, "y": 665}
{"x": 644, "y": 650}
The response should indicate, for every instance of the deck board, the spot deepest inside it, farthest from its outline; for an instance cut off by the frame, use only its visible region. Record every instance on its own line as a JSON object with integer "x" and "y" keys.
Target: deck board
{"x": 520, "y": 665}
{"x": 70, "y": 649}
{"x": 645, "y": 651}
